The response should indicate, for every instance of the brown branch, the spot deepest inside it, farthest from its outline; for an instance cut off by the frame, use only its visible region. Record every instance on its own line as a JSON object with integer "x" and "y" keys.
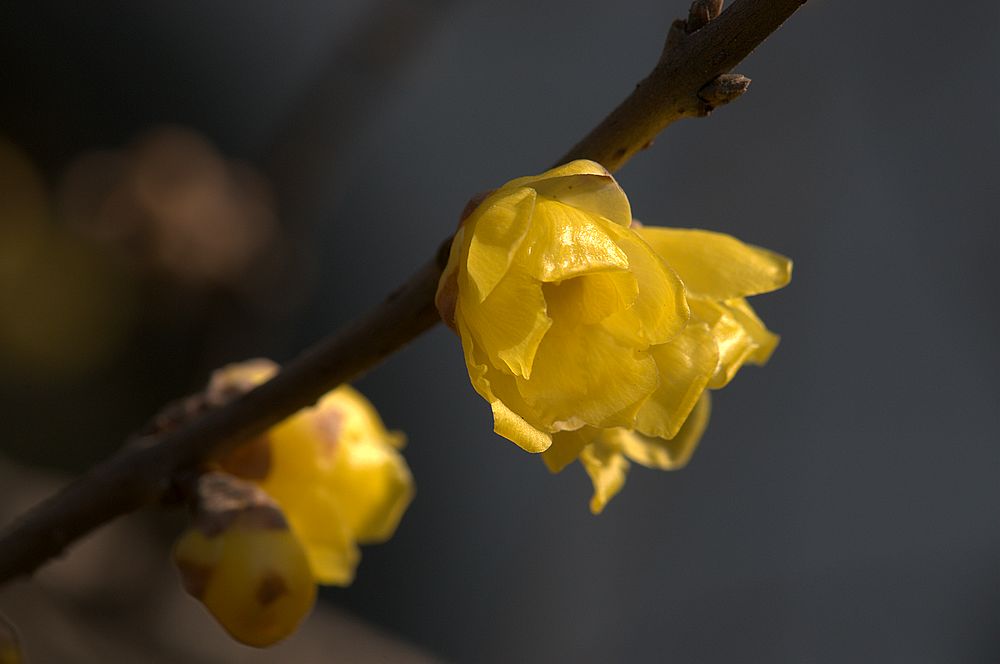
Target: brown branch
{"x": 698, "y": 51}
{"x": 691, "y": 59}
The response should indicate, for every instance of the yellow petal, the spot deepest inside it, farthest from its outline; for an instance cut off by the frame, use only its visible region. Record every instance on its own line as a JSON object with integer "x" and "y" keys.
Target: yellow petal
{"x": 373, "y": 487}
{"x": 607, "y": 468}
{"x": 663, "y": 454}
{"x": 497, "y": 389}
{"x": 304, "y": 453}
{"x": 316, "y": 518}
{"x": 716, "y": 265}
{"x": 591, "y": 298}
{"x": 765, "y": 340}
{"x": 513, "y": 427}
{"x": 660, "y": 309}
{"x": 566, "y": 447}
{"x": 685, "y": 365}
{"x": 581, "y": 184}
{"x": 497, "y": 228}
{"x": 510, "y": 323}
{"x": 565, "y": 242}
{"x": 583, "y": 375}
{"x": 733, "y": 341}
{"x": 356, "y": 417}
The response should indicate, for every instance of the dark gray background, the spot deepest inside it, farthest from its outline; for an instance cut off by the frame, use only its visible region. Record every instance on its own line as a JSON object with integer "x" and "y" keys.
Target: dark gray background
{"x": 843, "y": 505}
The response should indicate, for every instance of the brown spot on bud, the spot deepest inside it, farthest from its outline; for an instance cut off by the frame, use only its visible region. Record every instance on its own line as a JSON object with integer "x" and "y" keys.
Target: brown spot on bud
{"x": 271, "y": 588}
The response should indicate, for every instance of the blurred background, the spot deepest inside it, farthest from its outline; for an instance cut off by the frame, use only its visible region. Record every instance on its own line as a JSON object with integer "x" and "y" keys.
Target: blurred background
{"x": 188, "y": 184}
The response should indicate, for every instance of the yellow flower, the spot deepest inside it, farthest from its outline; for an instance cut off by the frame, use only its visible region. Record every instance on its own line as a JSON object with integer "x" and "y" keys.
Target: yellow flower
{"x": 288, "y": 509}
{"x": 244, "y": 564}
{"x": 589, "y": 338}
{"x": 334, "y": 470}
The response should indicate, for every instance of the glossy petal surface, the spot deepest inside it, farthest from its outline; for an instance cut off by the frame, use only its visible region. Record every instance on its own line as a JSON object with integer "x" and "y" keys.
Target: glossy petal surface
{"x": 716, "y": 265}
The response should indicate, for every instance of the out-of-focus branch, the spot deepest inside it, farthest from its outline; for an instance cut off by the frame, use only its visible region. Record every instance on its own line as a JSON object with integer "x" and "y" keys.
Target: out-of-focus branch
{"x": 686, "y": 82}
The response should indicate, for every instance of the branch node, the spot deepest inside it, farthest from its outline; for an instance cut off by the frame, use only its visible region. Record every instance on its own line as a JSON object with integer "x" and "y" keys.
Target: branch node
{"x": 701, "y": 12}
{"x": 722, "y": 90}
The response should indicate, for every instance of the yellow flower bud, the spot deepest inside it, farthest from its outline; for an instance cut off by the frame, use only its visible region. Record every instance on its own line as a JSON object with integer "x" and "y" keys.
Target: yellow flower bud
{"x": 244, "y": 564}
{"x": 579, "y": 329}
{"x": 334, "y": 469}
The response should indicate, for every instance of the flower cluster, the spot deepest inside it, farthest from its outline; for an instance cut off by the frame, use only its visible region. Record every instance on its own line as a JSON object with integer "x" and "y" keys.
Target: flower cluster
{"x": 336, "y": 479}
{"x": 594, "y": 338}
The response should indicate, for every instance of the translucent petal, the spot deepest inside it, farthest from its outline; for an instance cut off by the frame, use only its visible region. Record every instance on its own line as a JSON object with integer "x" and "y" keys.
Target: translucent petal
{"x": 734, "y": 343}
{"x": 358, "y": 418}
{"x": 685, "y": 365}
{"x": 582, "y": 184}
{"x": 509, "y": 324}
{"x": 597, "y": 195}
{"x": 765, "y": 340}
{"x": 660, "y": 309}
{"x": 497, "y": 228}
{"x": 499, "y": 390}
{"x": 583, "y": 375}
{"x": 566, "y": 447}
{"x": 591, "y": 298}
{"x": 661, "y": 453}
{"x": 607, "y": 468}
{"x": 373, "y": 488}
{"x": 316, "y": 519}
{"x": 716, "y": 265}
{"x": 515, "y": 428}
{"x": 304, "y": 455}
{"x": 565, "y": 242}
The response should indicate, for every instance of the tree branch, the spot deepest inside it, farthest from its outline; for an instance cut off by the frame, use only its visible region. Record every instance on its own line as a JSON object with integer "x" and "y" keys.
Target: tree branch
{"x": 686, "y": 82}
{"x": 697, "y": 51}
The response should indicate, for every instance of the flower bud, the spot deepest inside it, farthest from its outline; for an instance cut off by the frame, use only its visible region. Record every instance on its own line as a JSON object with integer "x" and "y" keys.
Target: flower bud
{"x": 241, "y": 560}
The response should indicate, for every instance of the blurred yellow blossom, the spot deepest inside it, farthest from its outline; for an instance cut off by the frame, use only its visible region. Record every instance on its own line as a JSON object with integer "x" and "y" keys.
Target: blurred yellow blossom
{"x": 63, "y": 312}
{"x": 334, "y": 469}
{"x": 321, "y": 482}
{"x": 241, "y": 560}
{"x": 594, "y": 340}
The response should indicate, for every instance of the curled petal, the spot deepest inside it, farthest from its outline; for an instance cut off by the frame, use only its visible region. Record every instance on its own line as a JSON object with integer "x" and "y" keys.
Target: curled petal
{"x": 499, "y": 390}
{"x": 566, "y": 447}
{"x": 716, "y": 265}
{"x": 660, "y": 309}
{"x": 582, "y": 184}
{"x": 765, "y": 340}
{"x": 565, "y": 242}
{"x": 498, "y": 227}
{"x": 607, "y": 467}
{"x": 510, "y": 323}
{"x": 685, "y": 365}
{"x": 587, "y": 377}
{"x": 663, "y": 454}
{"x": 734, "y": 342}
{"x": 591, "y": 298}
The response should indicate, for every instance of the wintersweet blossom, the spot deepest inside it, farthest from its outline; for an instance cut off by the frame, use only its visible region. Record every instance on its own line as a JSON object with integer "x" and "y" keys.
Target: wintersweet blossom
{"x": 242, "y": 561}
{"x": 595, "y": 340}
{"x": 334, "y": 469}
{"x": 335, "y": 478}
